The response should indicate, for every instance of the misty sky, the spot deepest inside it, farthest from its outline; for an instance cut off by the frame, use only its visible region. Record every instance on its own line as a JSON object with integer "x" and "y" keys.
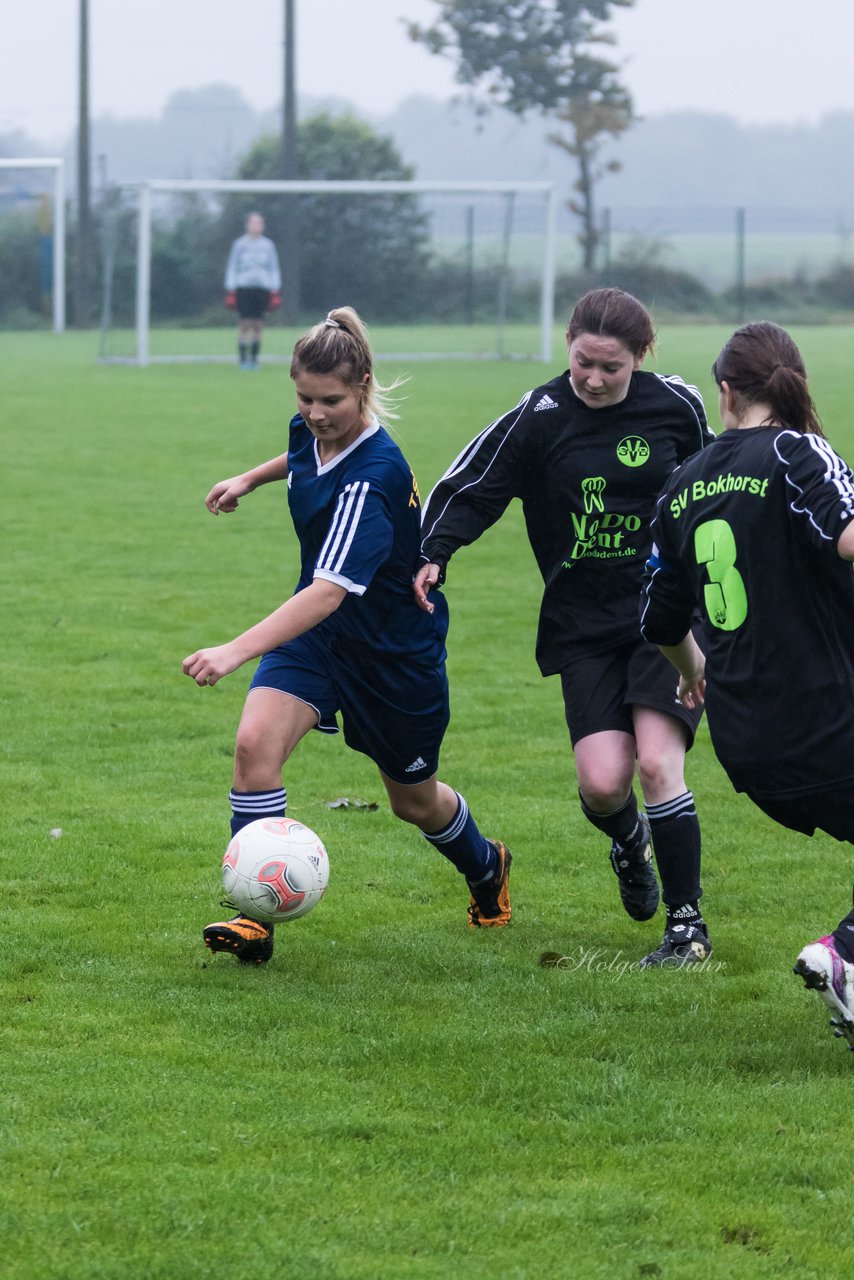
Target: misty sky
{"x": 761, "y": 61}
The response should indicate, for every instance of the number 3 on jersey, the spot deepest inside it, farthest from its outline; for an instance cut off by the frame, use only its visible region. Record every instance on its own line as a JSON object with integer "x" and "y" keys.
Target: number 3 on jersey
{"x": 724, "y": 594}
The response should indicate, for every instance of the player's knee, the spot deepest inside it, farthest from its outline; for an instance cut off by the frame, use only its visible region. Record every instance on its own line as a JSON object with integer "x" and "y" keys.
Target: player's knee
{"x": 604, "y": 791}
{"x": 658, "y": 773}
{"x": 256, "y": 768}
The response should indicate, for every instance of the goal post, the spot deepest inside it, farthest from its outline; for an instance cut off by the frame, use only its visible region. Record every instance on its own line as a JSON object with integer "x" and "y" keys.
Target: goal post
{"x": 421, "y": 202}
{"x": 55, "y": 168}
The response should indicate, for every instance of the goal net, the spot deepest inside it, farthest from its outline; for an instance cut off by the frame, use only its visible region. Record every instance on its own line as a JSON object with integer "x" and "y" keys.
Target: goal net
{"x": 32, "y": 243}
{"x": 436, "y": 269}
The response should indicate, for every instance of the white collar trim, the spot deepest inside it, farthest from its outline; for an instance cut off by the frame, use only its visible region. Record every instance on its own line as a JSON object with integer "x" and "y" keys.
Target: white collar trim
{"x": 323, "y": 467}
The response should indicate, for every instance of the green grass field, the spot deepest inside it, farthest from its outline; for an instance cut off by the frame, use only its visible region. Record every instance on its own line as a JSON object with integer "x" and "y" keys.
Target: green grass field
{"x": 454, "y": 341}
{"x": 394, "y": 1096}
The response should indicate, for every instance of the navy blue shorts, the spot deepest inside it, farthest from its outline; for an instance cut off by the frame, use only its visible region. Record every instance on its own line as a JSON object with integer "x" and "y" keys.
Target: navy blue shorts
{"x": 600, "y": 690}
{"x": 395, "y": 712}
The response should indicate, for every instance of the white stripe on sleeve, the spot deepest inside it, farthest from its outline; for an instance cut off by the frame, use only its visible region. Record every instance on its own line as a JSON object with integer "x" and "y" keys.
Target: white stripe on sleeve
{"x": 343, "y": 528}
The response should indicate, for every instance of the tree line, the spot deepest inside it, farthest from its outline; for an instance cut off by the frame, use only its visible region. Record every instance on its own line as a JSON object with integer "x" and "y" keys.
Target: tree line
{"x": 535, "y": 61}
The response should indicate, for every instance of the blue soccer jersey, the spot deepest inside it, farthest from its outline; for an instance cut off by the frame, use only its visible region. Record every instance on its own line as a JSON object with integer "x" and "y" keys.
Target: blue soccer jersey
{"x": 358, "y": 521}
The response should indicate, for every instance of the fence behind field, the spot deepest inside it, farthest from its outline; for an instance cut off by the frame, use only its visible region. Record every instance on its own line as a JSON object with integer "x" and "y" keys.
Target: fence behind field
{"x": 792, "y": 264}
{"x": 735, "y": 251}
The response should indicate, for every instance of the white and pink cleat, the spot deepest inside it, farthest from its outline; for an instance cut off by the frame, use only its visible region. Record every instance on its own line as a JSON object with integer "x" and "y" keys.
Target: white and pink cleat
{"x": 823, "y": 970}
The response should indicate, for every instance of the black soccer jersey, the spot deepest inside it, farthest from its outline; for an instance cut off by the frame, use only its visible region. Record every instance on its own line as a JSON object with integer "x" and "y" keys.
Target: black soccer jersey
{"x": 587, "y": 480}
{"x": 748, "y": 530}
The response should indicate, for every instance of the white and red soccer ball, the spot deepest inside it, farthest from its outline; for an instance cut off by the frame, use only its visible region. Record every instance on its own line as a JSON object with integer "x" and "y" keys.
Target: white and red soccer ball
{"x": 275, "y": 869}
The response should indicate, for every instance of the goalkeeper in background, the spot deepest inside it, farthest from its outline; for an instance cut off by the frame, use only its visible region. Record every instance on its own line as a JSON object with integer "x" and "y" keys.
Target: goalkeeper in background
{"x": 253, "y": 279}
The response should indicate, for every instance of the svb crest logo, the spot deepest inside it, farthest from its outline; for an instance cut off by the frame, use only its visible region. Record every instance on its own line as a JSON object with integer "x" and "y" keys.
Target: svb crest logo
{"x": 633, "y": 451}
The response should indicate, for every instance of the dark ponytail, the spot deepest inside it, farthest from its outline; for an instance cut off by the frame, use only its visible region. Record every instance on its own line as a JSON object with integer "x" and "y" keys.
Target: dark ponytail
{"x": 762, "y": 365}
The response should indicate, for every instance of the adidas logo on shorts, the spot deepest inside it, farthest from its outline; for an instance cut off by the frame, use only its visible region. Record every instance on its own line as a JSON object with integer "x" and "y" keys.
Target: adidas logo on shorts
{"x": 416, "y": 765}
{"x": 545, "y": 403}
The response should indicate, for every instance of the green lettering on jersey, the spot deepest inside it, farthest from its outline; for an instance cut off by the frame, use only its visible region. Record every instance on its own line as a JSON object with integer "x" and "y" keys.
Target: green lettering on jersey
{"x": 702, "y": 489}
{"x": 724, "y": 595}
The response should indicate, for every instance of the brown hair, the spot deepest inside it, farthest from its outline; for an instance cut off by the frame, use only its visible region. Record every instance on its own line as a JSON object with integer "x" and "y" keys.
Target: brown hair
{"x": 340, "y": 345}
{"x": 612, "y": 313}
{"x": 761, "y": 364}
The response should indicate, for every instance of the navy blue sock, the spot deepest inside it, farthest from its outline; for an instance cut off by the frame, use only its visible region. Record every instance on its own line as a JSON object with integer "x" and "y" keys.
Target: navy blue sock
{"x": 247, "y": 806}
{"x": 463, "y": 845}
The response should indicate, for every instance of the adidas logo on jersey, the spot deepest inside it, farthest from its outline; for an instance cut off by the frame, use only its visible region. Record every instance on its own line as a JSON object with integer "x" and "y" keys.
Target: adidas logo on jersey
{"x": 545, "y": 403}
{"x": 416, "y": 765}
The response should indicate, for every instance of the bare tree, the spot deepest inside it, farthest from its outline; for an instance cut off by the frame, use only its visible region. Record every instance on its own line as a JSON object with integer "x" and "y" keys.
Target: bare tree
{"x": 542, "y": 55}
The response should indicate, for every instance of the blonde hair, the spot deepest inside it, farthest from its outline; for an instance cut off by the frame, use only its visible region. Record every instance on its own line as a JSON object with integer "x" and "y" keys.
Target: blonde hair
{"x": 340, "y": 345}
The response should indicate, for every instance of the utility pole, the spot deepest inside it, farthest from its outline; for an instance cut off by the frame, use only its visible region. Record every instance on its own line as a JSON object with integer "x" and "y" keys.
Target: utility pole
{"x": 289, "y": 166}
{"x": 83, "y": 255}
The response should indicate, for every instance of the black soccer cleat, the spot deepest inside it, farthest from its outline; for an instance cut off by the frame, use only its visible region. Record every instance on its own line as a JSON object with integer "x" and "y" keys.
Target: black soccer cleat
{"x": 249, "y": 940}
{"x": 634, "y": 871}
{"x": 490, "y": 902}
{"x": 682, "y": 945}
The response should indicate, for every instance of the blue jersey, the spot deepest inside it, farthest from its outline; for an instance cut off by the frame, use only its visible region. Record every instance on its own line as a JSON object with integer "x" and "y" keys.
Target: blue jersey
{"x": 358, "y": 521}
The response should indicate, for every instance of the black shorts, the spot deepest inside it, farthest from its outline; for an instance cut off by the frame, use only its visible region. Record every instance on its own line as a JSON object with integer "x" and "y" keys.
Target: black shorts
{"x": 252, "y": 303}
{"x": 600, "y": 690}
{"x": 827, "y": 808}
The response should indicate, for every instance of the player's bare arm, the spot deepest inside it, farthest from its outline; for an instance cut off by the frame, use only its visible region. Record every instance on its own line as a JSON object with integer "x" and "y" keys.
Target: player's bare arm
{"x": 226, "y": 494}
{"x": 296, "y": 616}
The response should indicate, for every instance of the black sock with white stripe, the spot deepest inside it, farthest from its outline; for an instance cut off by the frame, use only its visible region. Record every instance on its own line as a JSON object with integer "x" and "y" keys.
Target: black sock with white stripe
{"x": 463, "y": 845}
{"x": 622, "y": 825}
{"x": 676, "y": 840}
{"x": 247, "y": 806}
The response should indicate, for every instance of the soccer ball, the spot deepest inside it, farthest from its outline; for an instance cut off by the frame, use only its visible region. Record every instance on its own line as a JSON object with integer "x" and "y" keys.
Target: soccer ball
{"x": 275, "y": 869}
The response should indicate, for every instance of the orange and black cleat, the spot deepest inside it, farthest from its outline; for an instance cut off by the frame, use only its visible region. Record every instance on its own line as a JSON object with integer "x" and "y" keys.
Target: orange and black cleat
{"x": 249, "y": 940}
{"x": 490, "y": 900}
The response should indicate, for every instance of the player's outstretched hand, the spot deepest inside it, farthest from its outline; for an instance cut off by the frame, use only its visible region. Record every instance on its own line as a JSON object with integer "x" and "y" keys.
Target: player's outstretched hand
{"x": 226, "y": 495}
{"x": 425, "y": 580}
{"x": 207, "y": 666}
{"x": 231, "y": 299}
